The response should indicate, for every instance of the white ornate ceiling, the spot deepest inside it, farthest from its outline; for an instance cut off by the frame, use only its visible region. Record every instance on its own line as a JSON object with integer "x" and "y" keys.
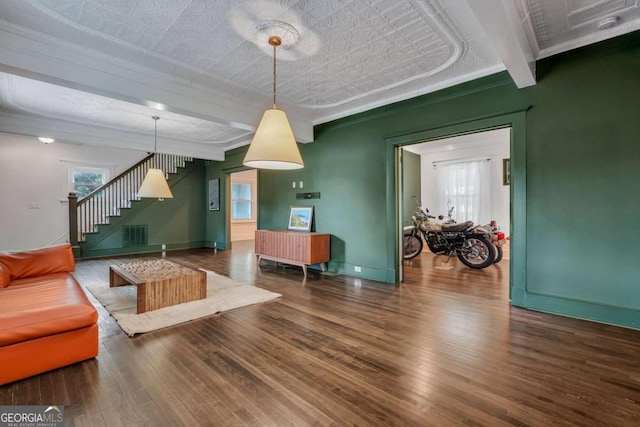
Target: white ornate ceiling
{"x": 95, "y": 71}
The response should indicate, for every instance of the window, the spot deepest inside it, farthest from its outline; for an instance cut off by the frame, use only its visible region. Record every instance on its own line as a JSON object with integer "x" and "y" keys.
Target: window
{"x": 241, "y": 201}
{"x": 467, "y": 187}
{"x": 84, "y": 180}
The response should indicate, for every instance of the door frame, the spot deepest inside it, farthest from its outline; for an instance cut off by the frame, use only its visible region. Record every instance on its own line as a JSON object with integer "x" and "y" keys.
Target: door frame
{"x": 516, "y": 120}
{"x": 228, "y": 209}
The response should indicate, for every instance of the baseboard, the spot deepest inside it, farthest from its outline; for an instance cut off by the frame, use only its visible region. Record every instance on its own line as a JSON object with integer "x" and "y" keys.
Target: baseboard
{"x": 618, "y": 316}
{"x": 372, "y": 273}
{"x": 101, "y": 253}
{"x": 214, "y": 244}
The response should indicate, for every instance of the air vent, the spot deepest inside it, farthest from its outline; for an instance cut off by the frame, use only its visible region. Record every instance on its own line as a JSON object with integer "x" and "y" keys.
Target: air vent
{"x": 134, "y": 235}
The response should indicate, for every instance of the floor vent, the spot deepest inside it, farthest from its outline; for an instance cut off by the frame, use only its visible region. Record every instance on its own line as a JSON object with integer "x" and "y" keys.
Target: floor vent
{"x": 134, "y": 235}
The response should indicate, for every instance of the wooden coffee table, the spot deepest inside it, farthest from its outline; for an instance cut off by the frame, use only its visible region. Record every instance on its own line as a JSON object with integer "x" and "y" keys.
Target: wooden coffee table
{"x": 160, "y": 283}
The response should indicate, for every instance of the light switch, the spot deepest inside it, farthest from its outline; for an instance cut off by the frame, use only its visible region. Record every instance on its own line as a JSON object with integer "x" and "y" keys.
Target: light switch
{"x": 293, "y": 184}
{"x": 300, "y": 184}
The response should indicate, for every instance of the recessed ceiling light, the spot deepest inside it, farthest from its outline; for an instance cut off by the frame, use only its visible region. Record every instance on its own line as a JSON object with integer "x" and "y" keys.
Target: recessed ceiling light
{"x": 45, "y": 140}
{"x": 609, "y": 22}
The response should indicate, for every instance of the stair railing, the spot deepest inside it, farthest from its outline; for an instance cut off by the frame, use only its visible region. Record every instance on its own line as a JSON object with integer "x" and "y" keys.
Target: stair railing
{"x": 105, "y": 201}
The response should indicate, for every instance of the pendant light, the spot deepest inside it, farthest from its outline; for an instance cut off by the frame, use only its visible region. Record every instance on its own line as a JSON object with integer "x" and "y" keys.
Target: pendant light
{"x": 154, "y": 184}
{"x": 273, "y": 145}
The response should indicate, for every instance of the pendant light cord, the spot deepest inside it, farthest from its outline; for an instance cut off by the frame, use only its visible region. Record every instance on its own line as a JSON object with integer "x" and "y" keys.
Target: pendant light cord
{"x": 274, "y": 75}
{"x": 274, "y": 41}
{"x": 155, "y": 141}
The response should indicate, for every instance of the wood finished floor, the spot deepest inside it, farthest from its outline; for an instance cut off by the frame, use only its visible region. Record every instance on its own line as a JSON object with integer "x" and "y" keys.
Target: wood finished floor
{"x": 444, "y": 348}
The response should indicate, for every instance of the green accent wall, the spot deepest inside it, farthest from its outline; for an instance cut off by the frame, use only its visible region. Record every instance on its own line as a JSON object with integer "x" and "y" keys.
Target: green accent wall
{"x": 575, "y": 168}
{"x": 583, "y": 170}
{"x": 411, "y": 185}
{"x": 179, "y": 222}
{"x": 348, "y": 164}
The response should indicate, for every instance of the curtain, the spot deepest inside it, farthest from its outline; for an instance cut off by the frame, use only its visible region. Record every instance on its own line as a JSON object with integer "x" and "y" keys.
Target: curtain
{"x": 466, "y": 186}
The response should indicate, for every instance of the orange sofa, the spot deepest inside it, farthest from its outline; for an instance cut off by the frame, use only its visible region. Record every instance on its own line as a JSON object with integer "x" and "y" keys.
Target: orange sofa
{"x": 46, "y": 320}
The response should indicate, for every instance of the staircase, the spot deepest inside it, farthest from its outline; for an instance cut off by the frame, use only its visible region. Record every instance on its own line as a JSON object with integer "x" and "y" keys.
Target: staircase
{"x": 117, "y": 195}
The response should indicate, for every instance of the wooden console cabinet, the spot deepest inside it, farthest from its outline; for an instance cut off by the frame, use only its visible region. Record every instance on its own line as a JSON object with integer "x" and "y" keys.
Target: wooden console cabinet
{"x": 293, "y": 247}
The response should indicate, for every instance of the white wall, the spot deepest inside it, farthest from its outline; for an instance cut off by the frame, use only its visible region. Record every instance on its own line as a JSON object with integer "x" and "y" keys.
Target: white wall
{"x": 494, "y": 145}
{"x": 35, "y": 173}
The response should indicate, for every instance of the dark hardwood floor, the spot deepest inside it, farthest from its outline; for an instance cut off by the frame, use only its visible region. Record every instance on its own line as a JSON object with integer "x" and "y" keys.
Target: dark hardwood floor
{"x": 444, "y": 348}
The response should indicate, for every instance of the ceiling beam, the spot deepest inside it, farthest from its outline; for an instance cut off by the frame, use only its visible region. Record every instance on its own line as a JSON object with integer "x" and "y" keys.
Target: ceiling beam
{"x": 501, "y": 23}
{"x": 77, "y": 133}
{"x": 61, "y": 64}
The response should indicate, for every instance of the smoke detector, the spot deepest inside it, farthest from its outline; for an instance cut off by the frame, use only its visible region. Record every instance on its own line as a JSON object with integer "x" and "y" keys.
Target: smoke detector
{"x": 609, "y": 22}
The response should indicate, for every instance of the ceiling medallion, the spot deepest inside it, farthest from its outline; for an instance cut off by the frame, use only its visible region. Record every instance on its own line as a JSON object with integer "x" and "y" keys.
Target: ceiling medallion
{"x": 607, "y": 23}
{"x": 263, "y": 30}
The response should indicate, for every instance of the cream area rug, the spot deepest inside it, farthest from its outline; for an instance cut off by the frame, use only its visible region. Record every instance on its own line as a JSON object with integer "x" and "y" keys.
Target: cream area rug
{"x": 222, "y": 294}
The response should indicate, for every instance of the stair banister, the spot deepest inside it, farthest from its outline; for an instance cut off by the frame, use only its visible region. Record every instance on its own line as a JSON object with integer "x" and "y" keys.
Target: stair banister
{"x": 107, "y": 200}
{"x": 73, "y": 219}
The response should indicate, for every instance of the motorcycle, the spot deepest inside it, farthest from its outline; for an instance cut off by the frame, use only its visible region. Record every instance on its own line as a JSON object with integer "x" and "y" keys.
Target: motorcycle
{"x": 472, "y": 244}
{"x": 497, "y": 236}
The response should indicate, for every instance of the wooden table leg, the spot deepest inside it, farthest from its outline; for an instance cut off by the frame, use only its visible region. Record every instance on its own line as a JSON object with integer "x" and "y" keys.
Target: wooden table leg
{"x": 115, "y": 279}
{"x": 141, "y": 292}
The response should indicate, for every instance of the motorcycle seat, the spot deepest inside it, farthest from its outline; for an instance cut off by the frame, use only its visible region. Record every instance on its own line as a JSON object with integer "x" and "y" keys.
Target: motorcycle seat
{"x": 457, "y": 227}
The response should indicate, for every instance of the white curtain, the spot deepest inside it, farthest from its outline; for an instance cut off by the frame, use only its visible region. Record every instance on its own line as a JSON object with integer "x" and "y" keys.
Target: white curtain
{"x": 467, "y": 187}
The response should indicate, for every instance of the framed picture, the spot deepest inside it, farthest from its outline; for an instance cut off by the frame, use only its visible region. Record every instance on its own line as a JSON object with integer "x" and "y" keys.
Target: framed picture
{"x": 506, "y": 171}
{"x": 300, "y": 218}
{"x": 214, "y": 194}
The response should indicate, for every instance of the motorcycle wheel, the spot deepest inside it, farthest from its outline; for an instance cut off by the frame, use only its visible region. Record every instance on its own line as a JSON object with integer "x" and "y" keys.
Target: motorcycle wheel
{"x": 498, "y": 255}
{"x": 478, "y": 252}
{"x": 411, "y": 245}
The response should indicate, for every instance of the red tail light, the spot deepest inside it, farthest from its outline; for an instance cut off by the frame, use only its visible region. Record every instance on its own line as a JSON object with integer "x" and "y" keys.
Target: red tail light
{"x": 501, "y": 236}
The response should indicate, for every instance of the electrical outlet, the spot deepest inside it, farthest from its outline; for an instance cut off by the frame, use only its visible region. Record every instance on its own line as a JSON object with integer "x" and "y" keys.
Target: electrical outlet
{"x": 33, "y": 205}
{"x": 164, "y": 247}
{"x": 293, "y": 184}
{"x": 300, "y": 184}
{"x": 357, "y": 269}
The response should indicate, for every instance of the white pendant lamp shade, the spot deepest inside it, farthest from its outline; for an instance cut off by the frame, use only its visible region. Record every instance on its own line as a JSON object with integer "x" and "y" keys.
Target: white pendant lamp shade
{"x": 274, "y": 146}
{"x": 155, "y": 186}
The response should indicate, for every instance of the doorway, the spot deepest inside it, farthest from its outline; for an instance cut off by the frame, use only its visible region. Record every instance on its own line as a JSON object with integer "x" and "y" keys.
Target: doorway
{"x": 243, "y": 215}
{"x": 465, "y": 175}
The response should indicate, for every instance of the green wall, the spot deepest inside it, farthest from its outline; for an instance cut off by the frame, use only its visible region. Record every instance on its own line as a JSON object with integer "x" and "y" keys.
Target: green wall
{"x": 583, "y": 166}
{"x": 179, "y": 222}
{"x": 411, "y": 185}
{"x": 348, "y": 164}
{"x": 575, "y": 159}
{"x": 273, "y": 211}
